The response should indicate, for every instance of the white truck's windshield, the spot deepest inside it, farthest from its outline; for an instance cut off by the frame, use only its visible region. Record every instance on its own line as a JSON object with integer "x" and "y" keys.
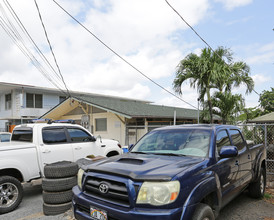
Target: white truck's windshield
{"x": 189, "y": 142}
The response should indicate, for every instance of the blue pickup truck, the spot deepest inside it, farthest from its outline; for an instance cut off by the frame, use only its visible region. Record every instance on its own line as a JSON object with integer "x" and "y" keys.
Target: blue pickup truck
{"x": 176, "y": 172}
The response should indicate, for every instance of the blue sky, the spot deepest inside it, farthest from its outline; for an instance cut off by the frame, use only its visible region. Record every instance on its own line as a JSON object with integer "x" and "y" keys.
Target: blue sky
{"x": 149, "y": 35}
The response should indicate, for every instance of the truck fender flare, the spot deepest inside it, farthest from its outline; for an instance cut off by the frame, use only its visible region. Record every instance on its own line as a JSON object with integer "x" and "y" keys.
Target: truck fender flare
{"x": 257, "y": 165}
{"x": 204, "y": 188}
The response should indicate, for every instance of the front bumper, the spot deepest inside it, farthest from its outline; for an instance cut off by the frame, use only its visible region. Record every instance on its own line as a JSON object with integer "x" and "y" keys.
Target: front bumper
{"x": 81, "y": 206}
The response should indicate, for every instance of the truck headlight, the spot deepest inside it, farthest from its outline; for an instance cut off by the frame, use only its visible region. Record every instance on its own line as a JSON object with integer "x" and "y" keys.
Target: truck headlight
{"x": 158, "y": 193}
{"x": 80, "y": 177}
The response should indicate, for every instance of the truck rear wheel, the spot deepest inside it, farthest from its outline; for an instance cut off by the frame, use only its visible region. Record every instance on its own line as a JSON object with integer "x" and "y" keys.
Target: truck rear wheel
{"x": 11, "y": 194}
{"x": 257, "y": 188}
{"x": 203, "y": 212}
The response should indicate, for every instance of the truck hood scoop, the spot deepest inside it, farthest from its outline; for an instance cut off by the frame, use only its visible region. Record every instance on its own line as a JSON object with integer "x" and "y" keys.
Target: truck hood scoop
{"x": 131, "y": 161}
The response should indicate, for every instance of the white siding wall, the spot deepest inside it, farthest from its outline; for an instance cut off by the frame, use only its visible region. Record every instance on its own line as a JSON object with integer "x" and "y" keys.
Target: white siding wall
{"x": 115, "y": 128}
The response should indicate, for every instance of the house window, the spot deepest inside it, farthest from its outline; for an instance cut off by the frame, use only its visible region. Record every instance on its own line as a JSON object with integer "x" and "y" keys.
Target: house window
{"x": 8, "y": 101}
{"x": 101, "y": 124}
{"x": 34, "y": 100}
{"x": 62, "y": 98}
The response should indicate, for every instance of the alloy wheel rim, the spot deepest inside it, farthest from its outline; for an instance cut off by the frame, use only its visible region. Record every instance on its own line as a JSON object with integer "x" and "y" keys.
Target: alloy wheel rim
{"x": 8, "y": 194}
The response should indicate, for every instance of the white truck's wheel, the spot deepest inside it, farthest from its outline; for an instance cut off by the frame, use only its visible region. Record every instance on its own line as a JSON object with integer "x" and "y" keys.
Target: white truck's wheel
{"x": 11, "y": 193}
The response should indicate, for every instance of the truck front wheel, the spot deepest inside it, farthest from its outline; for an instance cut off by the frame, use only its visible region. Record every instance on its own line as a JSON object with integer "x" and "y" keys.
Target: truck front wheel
{"x": 203, "y": 212}
{"x": 11, "y": 194}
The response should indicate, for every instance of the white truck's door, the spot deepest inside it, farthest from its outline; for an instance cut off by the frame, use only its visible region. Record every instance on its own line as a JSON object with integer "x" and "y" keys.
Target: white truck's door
{"x": 55, "y": 146}
{"x": 83, "y": 143}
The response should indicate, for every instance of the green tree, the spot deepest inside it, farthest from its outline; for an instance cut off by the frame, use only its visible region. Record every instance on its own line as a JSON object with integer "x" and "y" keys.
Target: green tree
{"x": 226, "y": 105}
{"x": 212, "y": 69}
{"x": 267, "y": 101}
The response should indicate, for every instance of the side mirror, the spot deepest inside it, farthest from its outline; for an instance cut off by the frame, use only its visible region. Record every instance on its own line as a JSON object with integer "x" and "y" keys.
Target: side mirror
{"x": 228, "y": 151}
{"x": 99, "y": 137}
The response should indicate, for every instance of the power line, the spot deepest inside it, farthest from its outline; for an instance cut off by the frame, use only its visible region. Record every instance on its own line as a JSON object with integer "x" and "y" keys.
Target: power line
{"x": 13, "y": 33}
{"x": 118, "y": 55}
{"x": 24, "y": 30}
{"x": 40, "y": 16}
{"x": 199, "y": 36}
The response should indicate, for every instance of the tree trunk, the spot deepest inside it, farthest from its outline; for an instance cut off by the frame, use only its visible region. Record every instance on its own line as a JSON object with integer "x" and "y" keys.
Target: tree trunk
{"x": 209, "y": 106}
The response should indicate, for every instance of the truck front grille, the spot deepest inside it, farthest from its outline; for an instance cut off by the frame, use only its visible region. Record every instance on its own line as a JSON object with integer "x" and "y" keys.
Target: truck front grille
{"x": 116, "y": 192}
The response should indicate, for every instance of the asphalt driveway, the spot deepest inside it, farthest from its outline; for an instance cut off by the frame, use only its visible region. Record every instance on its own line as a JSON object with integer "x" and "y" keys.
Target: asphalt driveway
{"x": 241, "y": 208}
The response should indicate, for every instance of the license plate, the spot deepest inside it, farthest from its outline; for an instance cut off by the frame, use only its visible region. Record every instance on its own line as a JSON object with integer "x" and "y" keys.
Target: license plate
{"x": 97, "y": 214}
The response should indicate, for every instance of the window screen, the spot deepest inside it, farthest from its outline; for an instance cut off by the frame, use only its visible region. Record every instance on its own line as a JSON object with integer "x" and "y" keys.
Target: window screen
{"x": 30, "y": 100}
{"x": 8, "y": 101}
{"x": 53, "y": 136}
{"x": 78, "y": 135}
{"x": 237, "y": 139}
{"x": 38, "y": 101}
{"x": 34, "y": 100}
{"x": 101, "y": 124}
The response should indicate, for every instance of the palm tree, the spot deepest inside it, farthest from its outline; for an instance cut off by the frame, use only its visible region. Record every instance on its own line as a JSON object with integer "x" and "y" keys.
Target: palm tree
{"x": 226, "y": 105}
{"x": 211, "y": 69}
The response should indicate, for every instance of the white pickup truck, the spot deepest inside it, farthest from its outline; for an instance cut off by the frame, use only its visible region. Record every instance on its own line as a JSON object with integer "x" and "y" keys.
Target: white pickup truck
{"x": 34, "y": 145}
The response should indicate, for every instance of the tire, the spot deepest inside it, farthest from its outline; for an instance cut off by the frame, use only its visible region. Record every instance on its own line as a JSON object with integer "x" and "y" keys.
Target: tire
{"x": 257, "y": 188}
{"x": 203, "y": 212}
{"x": 60, "y": 169}
{"x": 11, "y": 194}
{"x": 58, "y": 185}
{"x": 50, "y": 209}
{"x": 57, "y": 197}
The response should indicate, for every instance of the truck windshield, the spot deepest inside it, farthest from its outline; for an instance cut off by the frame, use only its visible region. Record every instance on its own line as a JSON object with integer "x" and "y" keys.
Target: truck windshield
{"x": 188, "y": 142}
{"x": 22, "y": 135}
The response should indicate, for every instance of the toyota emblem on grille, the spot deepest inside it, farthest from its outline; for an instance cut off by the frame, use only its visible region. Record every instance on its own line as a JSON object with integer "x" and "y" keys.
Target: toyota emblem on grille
{"x": 103, "y": 188}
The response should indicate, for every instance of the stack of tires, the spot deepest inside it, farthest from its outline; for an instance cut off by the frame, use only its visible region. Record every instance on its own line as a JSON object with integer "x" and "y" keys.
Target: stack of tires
{"x": 57, "y": 186}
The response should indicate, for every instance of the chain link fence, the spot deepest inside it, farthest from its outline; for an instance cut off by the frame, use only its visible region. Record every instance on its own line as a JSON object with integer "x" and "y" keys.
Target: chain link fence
{"x": 262, "y": 133}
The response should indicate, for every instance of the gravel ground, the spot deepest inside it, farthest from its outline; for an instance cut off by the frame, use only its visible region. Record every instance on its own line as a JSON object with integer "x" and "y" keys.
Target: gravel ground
{"x": 241, "y": 208}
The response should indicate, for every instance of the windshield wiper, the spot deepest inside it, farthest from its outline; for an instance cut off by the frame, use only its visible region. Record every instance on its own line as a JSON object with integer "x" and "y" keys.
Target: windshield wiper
{"x": 138, "y": 152}
{"x": 170, "y": 154}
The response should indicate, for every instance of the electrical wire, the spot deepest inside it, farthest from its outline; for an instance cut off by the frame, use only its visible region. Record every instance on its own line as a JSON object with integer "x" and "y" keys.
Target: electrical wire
{"x": 118, "y": 55}
{"x": 25, "y": 50}
{"x": 199, "y": 36}
{"x": 24, "y": 30}
{"x": 13, "y": 33}
{"x": 40, "y": 17}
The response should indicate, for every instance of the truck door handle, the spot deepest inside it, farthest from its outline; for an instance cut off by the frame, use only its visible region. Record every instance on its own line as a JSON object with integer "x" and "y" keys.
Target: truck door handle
{"x": 237, "y": 162}
{"x": 46, "y": 151}
{"x": 77, "y": 148}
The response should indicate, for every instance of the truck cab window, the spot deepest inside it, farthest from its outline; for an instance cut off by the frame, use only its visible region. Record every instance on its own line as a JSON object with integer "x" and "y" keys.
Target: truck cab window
{"x": 22, "y": 135}
{"x": 78, "y": 135}
{"x": 222, "y": 139}
{"x": 53, "y": 136}
{"x": 237, "y": 139}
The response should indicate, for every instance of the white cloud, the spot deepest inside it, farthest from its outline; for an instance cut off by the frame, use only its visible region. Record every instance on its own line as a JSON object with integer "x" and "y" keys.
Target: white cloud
{"x": 231, "y": 4}
{"x": 260, "y": 78}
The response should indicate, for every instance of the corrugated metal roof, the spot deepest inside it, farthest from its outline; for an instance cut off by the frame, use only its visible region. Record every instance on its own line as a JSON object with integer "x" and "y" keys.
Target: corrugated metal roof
{"x": 135, "y": 108}
{"x": 268, "y": 118}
